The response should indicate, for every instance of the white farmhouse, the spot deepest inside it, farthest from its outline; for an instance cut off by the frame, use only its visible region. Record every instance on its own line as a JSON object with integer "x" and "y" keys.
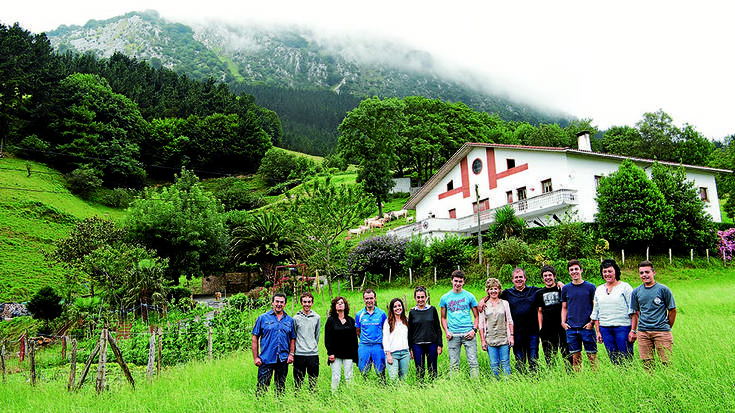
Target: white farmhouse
{"x": 538, "y": 182}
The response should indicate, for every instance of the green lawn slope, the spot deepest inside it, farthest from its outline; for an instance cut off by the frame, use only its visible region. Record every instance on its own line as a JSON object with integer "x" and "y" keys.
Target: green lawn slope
{"x": 35, "y": 211}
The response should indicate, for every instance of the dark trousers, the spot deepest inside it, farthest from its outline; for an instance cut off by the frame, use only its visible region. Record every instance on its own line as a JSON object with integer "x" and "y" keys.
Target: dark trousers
{"x": 525, "y": 350}
{"x": 305, "y": 365}
{"x": 428, "y": 352}
{"x": 266, "y": 372}
{"x": 555, "y": 342}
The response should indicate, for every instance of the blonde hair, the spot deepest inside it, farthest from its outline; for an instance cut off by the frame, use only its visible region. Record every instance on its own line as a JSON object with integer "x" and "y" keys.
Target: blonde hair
{"x": 493, "y": 282}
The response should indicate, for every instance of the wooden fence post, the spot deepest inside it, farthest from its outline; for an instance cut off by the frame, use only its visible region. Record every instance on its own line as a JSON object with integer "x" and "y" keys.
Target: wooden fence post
{"x": 63, "y": 347}
{"x": 434, "y": 275}
{"x": 209, "y": 341}
{"x": 151, "y": 355}
{"x": 102, "y": 362}
{"x": 691, "y": 254}
{"x": 647, "y": 249}
{"x": 32, "y": 359}
{"x": 352, "y": 284}
{"x": 622, "y": 252}
{"x": 410, "y": 277}
{"x": 72, "y": 366}
{"x": 2, "y": 359}
{"x": 707, "y": 255}
{"x": 390, "y": 274}
{"x": 669, "y": 255}
{"x": 85, "y": 371}
{"x": 120, "y": 360}
{"x": 159, "y": 361}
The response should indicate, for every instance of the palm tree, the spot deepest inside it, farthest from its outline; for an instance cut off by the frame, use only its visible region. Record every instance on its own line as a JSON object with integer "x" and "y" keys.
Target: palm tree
{"x": 507, "y": 224}
{"x": 146, "y": 283}
{"x": 266, "y": 241}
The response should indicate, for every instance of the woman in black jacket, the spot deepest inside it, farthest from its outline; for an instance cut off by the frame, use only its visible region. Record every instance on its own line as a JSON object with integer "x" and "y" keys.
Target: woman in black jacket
{"x": 424, "y": 333}
{"x": 340, "y": 338}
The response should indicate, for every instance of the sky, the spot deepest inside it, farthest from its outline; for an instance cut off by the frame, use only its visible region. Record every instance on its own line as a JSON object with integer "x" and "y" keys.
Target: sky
{"x": 608, "y": 61}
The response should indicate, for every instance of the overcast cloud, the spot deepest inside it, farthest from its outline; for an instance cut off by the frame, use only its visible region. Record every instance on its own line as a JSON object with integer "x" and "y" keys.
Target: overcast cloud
{"x": 609, "y": 61}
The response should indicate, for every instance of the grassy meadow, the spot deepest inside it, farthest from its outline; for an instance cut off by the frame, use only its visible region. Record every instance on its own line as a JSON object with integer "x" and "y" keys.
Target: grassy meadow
{"x": 36, "y": 210}
{"x": 699, "y": 378}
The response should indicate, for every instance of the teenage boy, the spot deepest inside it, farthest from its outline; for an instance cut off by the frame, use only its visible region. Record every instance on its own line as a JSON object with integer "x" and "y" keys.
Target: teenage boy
{"x": 459, "y": 317}
{"x": 306, "y": 357}
{"x": 653, "y": 312}
{"x": 548, "y": 301}
{"x": 369, "y": 323}
{"x": 274, "y": 334}
{"x": 577, "y": 300}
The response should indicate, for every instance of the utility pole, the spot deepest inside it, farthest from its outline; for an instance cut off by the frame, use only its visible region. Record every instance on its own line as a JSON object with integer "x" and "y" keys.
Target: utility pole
{"x": 479, "y": 224}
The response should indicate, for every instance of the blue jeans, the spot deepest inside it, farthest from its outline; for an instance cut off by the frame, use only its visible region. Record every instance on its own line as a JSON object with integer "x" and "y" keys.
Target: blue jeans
{"x": 616, "y": 343}
{"x": 266, "y": 372}
{"x": 579, "y": 337}
{"x": 371, "y": 354}
{"x": 454, "y": 345}
{"x": 399, "y": 368}
{"x": 429, "y": 352}
{"x": 525, "y": 349}
{"x": 499, "y": 355}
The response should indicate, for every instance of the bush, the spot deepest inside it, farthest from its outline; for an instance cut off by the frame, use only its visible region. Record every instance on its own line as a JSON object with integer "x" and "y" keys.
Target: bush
{"x": 449, "y": 253}
{"x": 83, "y": 181}
{"x": 416, "y": 256}
{"x": 116, "y": 198}
{"x": 571, "y": 239}
{"x": 45, "y": 305}
{"x": 377, "y": 255}
{"x": 178, "y": 292}
{"x": 511, "y": 251}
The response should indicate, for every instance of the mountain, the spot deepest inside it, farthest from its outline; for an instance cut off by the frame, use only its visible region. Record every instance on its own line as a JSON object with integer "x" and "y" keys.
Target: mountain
{"x": 309, "y": 79}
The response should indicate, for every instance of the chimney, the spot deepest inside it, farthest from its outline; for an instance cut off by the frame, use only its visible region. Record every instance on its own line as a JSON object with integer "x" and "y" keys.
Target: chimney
{"x": 583, "y": 141}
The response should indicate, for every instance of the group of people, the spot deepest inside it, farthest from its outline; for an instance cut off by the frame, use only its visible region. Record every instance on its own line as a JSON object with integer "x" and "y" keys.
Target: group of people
{"x": 563, "y": 318}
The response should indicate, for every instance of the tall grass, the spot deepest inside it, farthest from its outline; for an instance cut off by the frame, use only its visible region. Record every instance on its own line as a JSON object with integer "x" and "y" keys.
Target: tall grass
{"x": 699, "y": 378}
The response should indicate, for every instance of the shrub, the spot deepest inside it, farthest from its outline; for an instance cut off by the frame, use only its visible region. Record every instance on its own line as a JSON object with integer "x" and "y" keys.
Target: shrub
{"x": 45, "y": 305}
{"x": 416, "y": 256}
{"x": 377, "y": 255}
{"x": 571, "y": 239}
{"x": 512, "y": 251}
{"x": 449, "y": 253}
{"x": 83, "y": 181}
{"x": 726, "y": 243}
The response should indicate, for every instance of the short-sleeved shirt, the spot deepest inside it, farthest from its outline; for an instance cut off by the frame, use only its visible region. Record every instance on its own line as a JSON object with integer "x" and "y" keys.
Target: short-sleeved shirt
{"x": 653, "y": 304}
{"x": 371, "y": 326}
{"x": 275, "y": 336}
{"x": 525, "y": 315}
{"x": 549, "y": 301}
{"x": 579, "y": 299}
{"x": 459, "y": 310}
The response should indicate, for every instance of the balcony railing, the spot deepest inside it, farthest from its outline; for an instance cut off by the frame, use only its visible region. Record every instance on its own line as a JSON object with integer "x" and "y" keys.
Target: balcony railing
{"x": 535, "y": 206}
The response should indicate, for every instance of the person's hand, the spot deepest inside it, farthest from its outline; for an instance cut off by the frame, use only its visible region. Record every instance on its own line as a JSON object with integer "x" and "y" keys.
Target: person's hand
{"x": 511, "y": 341}
{"x": 589, "y": 326}
{"x": 599, "y": 338}
{"x": 438, "y": 351}
{"x": 331, "y": 358}
{"x": 449, "y": 336}
{"x": 258, "y": 361}
{"x": 484, "y": 346}
{"x": 632, "y": 336}
{"x": 411, "y": 353}
{"x": 470, "y": 335}
{"x": 289, "y": 360}
{"x": 565, "y": 325}
{"x": 389, "y": 359}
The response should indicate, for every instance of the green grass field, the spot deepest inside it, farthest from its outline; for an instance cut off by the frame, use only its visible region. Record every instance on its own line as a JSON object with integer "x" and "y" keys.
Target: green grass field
{"x": 699, "y": 378}
{"x": 36, "y": 210}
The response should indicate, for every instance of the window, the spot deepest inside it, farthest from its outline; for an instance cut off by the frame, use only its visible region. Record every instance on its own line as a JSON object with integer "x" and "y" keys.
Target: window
{"x": 484, "y": 205}
{"x": 546, "y": 186}
{"x": 453, "y": 213}
{"x": 450, "y": 185}
{"x": 597, "y": 180}
{"x": 703, "y": 194}
{"x": 477, "y": 166}
{"x": 511, "y": 163}
{"x": 509, "y": 195}
{"x": 521, "y": 193}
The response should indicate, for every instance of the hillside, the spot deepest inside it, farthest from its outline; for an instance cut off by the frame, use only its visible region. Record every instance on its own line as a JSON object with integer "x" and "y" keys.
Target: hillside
{"x": 310, "y": 80}
{"x": 37, "y": 210}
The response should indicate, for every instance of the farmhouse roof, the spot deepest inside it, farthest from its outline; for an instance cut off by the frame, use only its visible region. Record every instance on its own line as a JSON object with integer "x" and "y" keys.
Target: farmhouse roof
{"x": 467, "y": 147}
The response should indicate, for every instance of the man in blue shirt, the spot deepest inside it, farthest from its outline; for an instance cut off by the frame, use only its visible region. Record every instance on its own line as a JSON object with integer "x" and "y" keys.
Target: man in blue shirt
{"x": 274, "y": 332}
{"x": 369, "y": 323}
{"x": 577, "y": 300}
{"x": 459, "y": 320}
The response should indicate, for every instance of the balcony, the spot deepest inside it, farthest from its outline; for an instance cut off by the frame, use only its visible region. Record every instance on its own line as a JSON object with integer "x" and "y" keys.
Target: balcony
{"x": 530, "y": 208}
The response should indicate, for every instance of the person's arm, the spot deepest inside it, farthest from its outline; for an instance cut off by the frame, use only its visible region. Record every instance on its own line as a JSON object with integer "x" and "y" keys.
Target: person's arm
{"x": 445, "y": 327}
{"x": 672, "y": 316}
{"x": 481, "y": 330}
{"x": 254, "y": 346}
{"x": 328, "y": 339}
{"x": 633, "y": 326}
{"x": 357, "y": 325}
{"x": 564, "y": 315}
{"x": 540, "y": 316}
{"x": 476, "y": 315}
{"x": 317, "y": 330}
{"x": 438, "y": 330}
{"x": 595, "y": 316}
{"x": 386, "y": 343}
{"x": 291, "y": 349}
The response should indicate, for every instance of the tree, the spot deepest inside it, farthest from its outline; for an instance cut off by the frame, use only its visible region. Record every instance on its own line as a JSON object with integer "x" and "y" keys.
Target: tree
{"x": 658, "y": 133}
{"x": 369, "y": 134}
{"x": 278, "y": 166}
{"x": 45, "y": 305}
{"x": 623, "y": 140}
{"x": 631, "y": 210}
{"x": 724, "y": 158}
{"x": 692, "y": 226}
{"x": 507, "y": 224}
{"x": 265, "y": 240}
{"x": 692, "y": 148}
{"x": 323, "y": 212}
{"x": 183, "y": 223}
